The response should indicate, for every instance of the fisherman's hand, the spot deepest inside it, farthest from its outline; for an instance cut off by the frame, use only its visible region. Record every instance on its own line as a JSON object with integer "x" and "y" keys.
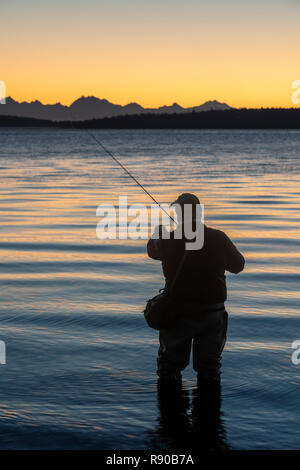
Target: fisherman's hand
{"x": 154, "y": 245}
{"x": 158, "y": 233}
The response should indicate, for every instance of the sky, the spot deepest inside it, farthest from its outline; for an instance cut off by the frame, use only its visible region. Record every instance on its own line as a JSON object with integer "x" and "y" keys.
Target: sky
{"x": 244, "y": 53}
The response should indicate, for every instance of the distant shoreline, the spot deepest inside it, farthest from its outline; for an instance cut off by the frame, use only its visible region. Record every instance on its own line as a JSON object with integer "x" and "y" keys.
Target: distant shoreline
{"x": 273, "y": 118}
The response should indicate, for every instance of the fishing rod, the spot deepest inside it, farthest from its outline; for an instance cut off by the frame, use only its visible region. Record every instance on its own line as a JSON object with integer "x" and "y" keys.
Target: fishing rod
{"x": 125, "y": 169}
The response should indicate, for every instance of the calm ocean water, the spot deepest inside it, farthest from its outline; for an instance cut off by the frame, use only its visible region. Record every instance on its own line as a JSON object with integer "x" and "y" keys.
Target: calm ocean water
{"x": 80, "y": 370}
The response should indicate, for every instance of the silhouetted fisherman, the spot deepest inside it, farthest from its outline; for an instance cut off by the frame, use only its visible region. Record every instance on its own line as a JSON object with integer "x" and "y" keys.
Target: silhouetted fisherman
{"x": 199, "y": 297}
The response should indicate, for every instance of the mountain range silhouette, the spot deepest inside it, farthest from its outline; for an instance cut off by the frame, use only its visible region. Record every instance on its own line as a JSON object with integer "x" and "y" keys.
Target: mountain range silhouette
{"x": 91, "y": 107}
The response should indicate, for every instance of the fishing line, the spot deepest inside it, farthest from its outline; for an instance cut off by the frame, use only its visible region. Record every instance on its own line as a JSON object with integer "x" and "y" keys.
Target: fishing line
{"x": 125, "y": 169}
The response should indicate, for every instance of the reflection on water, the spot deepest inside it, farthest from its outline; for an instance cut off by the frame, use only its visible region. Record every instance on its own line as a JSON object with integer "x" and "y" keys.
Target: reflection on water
{"x": 81, "y": 364}
{"x": 189, "y": 426}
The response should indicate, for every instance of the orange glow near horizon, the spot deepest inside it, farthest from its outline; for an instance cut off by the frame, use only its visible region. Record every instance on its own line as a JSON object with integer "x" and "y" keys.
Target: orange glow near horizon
{"x": 244, "y": 56}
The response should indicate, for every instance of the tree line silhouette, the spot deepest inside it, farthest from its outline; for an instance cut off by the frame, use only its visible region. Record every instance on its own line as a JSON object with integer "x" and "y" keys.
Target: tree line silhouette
{"x": 264, "y": 118}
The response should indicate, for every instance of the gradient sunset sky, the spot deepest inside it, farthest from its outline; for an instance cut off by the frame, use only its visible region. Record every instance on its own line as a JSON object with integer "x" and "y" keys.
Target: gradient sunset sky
{"x": 156, "y": 52}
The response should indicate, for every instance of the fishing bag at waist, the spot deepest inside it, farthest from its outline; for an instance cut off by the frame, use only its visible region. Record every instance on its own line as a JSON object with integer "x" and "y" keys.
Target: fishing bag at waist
{"x": 160, "y": 311}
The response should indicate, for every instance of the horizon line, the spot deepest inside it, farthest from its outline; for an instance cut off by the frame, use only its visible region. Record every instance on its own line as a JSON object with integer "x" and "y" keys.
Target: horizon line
{"x": 111, "y": 102}
{"x": 146, "y": 107}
